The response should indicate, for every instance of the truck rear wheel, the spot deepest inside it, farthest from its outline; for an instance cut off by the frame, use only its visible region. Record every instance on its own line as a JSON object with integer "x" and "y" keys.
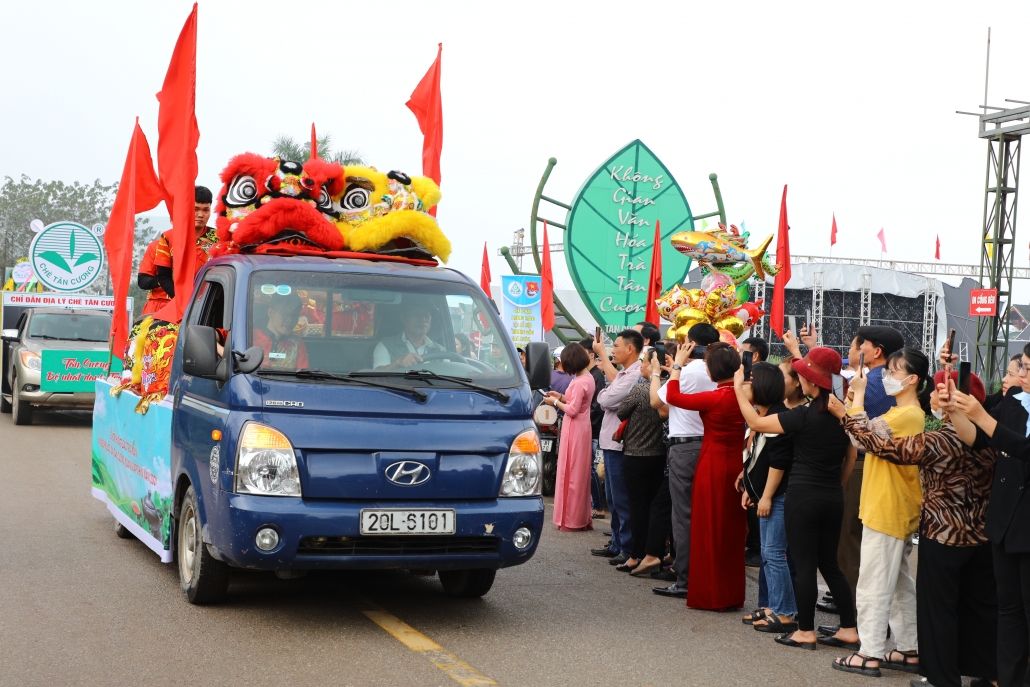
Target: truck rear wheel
{"x": 203, "y": 579}
{"x": 21, "y": 410}
{"x": 467, "y": 584}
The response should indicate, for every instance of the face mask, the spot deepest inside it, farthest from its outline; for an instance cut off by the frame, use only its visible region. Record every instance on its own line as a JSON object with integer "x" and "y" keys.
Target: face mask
{"x": 892, "y": 386}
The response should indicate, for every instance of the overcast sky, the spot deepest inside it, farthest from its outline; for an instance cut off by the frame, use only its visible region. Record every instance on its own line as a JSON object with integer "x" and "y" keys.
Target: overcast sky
{"x": 850, "y": 104}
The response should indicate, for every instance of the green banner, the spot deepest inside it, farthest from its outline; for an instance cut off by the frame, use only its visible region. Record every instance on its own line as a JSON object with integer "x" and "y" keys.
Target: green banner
{"x": 610, "y": 232}
{"x": 73, "y": 370}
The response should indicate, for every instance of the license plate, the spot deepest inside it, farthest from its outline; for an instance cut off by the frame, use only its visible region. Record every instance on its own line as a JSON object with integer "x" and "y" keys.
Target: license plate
{"x": 546, "y": 445}
{"x": 403, "y": 521}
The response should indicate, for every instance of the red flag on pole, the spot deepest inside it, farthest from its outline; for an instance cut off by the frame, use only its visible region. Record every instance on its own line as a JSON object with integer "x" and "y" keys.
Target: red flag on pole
{"x": 938, "y": 253}
{"x": 654, "y": 282}
{"x": 138, "y": 191}
{"x": 783, "y": 259}
{"x": 546, "y": 288}
{"x": 427, "y": 105}
{"x": 178, "y": 135}
{"x": 883, "y": 240}
{"x": 833, "y": 231}
{"x": 484, "y": 274}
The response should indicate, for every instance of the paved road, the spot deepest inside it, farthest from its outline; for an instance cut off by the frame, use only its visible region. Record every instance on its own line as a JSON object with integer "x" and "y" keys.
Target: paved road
{"x": 79, "y": 606}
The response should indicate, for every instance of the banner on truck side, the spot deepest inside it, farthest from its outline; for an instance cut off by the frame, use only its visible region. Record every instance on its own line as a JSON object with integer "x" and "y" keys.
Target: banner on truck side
{"x": 521, "y": 308}
{"x": 132, "y": 465}
{"x": 70, "y": 371}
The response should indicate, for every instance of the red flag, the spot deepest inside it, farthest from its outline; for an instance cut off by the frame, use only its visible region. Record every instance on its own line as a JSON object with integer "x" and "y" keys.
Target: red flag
{"x": 883, "y": 241}
{"x": 546, "y": 288}
{"x": 138, "y": 191}
{"x": 938, "y": 253}
{"x": 425, "y": 102}
{"x": 654, "y": 282}
{"x": 783, "y": 259}
{"x": 178, "y": 135}
{"x": 833, "y": 231}
{"x": 484, "y": 274}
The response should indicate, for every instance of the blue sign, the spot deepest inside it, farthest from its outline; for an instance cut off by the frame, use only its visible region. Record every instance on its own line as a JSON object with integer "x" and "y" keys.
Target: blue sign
{"x": 520, "y": 308}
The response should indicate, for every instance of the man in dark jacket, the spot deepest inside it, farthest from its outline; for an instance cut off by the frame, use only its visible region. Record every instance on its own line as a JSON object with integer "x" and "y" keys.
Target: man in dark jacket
{"x": 596, "y": 416}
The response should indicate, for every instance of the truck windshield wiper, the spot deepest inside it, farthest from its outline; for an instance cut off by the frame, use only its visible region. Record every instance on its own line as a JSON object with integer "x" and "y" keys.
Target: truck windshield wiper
{"x": 308, "y": 373}
{"x": 429, "y": 374}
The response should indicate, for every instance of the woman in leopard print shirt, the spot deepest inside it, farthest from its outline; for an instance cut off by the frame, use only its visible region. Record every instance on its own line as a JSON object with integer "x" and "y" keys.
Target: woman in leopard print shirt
{"x": 955, "y": 587}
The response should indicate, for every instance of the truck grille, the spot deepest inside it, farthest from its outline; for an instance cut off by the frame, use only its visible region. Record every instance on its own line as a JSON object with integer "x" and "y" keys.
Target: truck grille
{"x": 397, "y": 546}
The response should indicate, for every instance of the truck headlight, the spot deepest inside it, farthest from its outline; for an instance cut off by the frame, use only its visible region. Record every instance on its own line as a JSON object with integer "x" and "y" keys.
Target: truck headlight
{"x": 30, "y": 360}
{"x": 522, "y": 469}
{"x": 265, "y": 463}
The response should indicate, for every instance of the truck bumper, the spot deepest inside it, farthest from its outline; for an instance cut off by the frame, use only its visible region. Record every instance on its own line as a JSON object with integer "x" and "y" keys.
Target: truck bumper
{"x": 483, "y": 536}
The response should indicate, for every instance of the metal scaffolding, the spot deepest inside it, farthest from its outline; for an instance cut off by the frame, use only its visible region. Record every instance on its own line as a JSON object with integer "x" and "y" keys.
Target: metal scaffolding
{"x": 760, "y": 295}
{"x": 930, "y": 320}
{"x": 865, "y": 310}
{"x": 817, "y": 305}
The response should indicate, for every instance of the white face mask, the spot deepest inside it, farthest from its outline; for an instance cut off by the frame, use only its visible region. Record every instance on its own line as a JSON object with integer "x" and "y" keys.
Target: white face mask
{"x": 892, "y": 386}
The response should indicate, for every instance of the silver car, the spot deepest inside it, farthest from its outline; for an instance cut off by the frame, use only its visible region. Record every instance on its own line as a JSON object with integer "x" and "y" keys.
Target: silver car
{"x": 47, "y": 328}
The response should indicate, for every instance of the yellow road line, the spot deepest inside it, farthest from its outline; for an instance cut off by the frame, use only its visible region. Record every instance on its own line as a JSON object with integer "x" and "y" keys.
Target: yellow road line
{"x": 458, "y": 670}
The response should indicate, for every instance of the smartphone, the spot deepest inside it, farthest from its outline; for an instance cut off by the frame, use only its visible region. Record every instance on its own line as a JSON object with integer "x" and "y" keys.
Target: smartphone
{"x": 963, "y": 377}
{"x": 837, "y": 382}
{"x": 659, "y": 348}
{"x": 861, "y": 363}
{"x": 597, "y": 334}
{"x": 792, "y": 322}
{"x": 747, "y": 357}
{"x": 808, "y": 317}
{"x": 951, "y": 345}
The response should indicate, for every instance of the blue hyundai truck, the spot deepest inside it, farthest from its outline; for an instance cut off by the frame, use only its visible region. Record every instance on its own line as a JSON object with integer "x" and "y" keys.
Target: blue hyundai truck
{"x": 324, "y": 415}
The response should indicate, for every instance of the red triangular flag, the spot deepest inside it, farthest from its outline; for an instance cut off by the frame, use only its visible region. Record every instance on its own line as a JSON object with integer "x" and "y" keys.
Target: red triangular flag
{"x": 138, "y": 191}
{"x": 938, "y": 253}
{"x": 427, "y": 105}
{"x": 654, "y": 281}
{"x": 484, "y": 274}
{"x": 546, "y": 288}
{"x": 833, "y": 231}
{"x": 883, "y": 240}
{"x": 783, "y": 277}
{"x": 178, "y": 135}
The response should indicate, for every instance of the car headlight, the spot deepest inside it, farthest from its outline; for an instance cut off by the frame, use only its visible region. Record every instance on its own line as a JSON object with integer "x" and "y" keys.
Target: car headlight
{"x": 522, "y": 469}
{"x": 265, "y": 463}
{"x": 30, "y": 360}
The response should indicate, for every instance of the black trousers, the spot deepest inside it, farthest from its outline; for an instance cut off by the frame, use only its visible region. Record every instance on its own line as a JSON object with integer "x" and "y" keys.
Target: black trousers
{"x": 957, "y": 613}
{"x": 1012, "y": 573}
{"x": 813, "y": 517}
{"x": 660, "y": 524}
{"x": 754, "y": 536}
{"x": 643, "y": 475}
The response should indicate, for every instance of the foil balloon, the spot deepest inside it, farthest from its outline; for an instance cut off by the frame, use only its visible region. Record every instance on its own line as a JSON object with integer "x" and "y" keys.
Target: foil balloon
{"x": 688, "y": 317}
{"x": 719, "y": 301}
{"x": 732, "y": 324}
{"x": 671, "y": 301}
{"x": 743, "y": 294}
{"x": 728, "y": 337}
{"x": 696, "y": 298}
{"x": 715, "y": 280}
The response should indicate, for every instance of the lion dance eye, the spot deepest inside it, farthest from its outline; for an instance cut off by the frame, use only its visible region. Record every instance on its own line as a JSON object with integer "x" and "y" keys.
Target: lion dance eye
{"x": 355, "y": 198}
{"x": 325, "y": 203}
{"x": 242, "y": 191}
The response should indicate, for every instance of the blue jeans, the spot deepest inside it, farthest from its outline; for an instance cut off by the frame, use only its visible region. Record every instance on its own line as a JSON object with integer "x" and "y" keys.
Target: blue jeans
{"x": 774, "y": 560}
{"x": 618, "y": 502}
{"x": 595, "y": 480}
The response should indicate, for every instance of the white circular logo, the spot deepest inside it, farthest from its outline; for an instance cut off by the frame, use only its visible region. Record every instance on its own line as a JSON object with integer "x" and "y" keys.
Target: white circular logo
{"x": 515, "y": 289}
{"x": 66, "y": 256}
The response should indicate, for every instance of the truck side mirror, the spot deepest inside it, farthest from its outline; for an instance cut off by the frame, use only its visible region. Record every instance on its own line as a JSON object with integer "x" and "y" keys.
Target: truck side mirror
{"x": 199, "y": 354}
{"x": 9, "y": 335}
{"x": 538, "y": 364}
{"x": 249, "y": 360}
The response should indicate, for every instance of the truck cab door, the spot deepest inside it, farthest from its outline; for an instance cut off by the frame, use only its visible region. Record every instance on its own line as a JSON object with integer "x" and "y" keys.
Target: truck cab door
{"x": 202, "y": 406}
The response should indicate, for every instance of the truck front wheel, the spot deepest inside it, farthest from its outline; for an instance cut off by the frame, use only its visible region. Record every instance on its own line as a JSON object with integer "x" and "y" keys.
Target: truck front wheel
{"x": 203, "y": 579}
{"x": 467, "y": 584}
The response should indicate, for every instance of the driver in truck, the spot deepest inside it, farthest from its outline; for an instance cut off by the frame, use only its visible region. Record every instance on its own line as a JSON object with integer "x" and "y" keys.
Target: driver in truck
{"x": 407, "y": 348}
{"x": 283, "y": 350}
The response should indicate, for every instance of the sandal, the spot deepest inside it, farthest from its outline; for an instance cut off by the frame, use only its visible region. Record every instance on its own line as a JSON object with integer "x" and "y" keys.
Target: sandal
{"x": 843, "y": 664}
{"x": 622, "y": 567}
{"x": 642, "y": 570}
{"x": 903, "y": 665}
{"x": 837, "y": 643}
{"x": 757, "y": 614}
{"x": 785, "y": 640}
{"x": 774, "y": 624}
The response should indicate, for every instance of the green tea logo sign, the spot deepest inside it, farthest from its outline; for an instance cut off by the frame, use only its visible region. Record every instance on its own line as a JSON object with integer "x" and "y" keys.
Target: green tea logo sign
{"x": 66, "y": 256}
{"x": 610, "y": 229}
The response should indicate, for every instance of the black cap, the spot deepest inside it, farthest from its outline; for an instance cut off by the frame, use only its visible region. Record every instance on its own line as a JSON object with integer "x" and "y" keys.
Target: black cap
{"x": 887, "y": 338}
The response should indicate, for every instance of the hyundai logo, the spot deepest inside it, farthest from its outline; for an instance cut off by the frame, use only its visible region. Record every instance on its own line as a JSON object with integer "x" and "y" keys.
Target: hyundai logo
{"x": 408, "y": 473}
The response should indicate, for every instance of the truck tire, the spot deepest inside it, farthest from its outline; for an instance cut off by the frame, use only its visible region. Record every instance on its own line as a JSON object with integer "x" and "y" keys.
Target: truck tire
{"x": 121, "y": 531}
{"x": 549, "y": 475}
{"x": 467, "y": 584}
{"x": 5, "y": 405}
{"x": 21, "y": 410}
{"x": 203, "y": 579}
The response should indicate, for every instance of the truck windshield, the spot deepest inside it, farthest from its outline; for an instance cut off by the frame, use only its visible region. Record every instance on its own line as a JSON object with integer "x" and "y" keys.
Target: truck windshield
{"x": 69, "y": 327}
{"x": 377, "y": 325}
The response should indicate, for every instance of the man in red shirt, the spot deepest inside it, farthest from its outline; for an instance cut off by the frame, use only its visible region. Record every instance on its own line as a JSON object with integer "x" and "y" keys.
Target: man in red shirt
{"x": 155, "y": 270}
{"x": 283, "y": 350}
